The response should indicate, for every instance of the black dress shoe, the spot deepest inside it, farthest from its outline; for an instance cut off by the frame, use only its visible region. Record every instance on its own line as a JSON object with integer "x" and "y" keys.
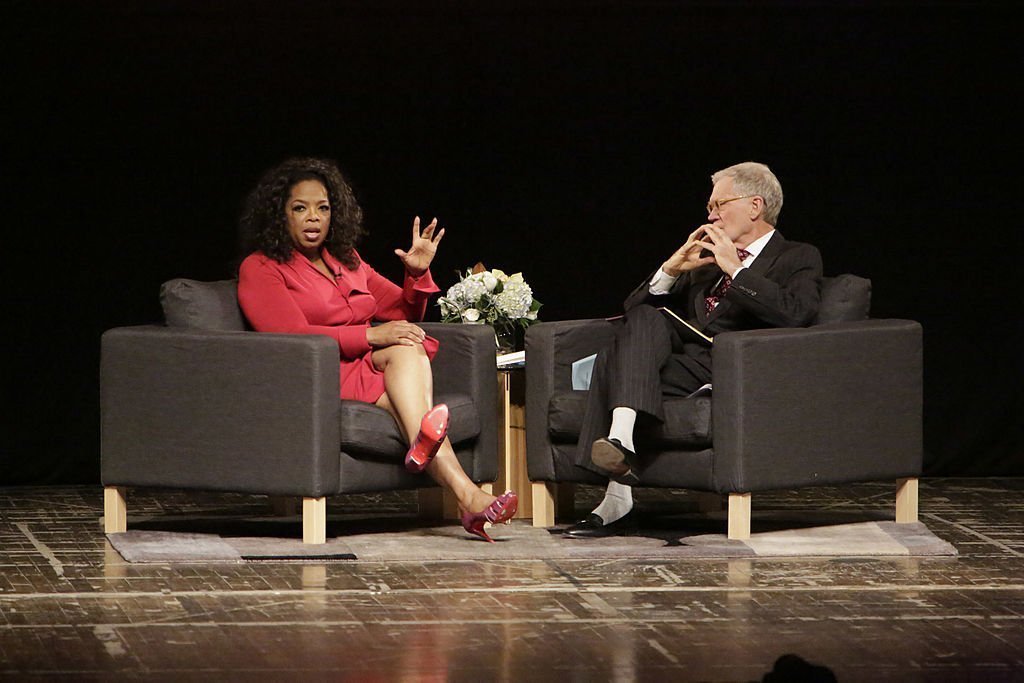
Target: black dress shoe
{"x": 592, "y": 526}
{"x": 617, "y": 460}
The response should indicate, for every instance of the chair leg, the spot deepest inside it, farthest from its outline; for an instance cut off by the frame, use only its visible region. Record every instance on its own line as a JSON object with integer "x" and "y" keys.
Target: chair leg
{"x": 906, "y": 500}
{"x": 739, "y": 516}
{"x": 314, "y": 520}
{"x": 115, "y": 510}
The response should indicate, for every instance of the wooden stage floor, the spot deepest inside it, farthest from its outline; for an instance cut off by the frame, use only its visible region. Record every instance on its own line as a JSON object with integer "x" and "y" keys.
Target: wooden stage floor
{"x": 72, "y": 609}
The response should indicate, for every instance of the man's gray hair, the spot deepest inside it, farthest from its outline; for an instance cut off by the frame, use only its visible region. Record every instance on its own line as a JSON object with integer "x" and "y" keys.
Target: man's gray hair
{"x": 753, "y": 178}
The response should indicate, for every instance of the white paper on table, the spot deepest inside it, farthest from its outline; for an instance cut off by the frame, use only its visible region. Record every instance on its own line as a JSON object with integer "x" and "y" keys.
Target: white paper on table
{"x": 514, "y": 359}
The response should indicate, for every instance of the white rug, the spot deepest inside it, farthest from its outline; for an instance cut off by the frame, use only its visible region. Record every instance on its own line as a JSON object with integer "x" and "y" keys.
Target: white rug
{"x": 776, "y": 534}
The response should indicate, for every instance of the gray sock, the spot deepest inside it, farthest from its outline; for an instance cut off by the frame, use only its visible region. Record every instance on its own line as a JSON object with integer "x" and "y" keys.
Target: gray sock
{"x": 618, "y": 501}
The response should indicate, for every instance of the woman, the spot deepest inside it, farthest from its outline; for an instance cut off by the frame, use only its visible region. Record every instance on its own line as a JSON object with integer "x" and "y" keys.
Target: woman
{"x": 303, "y": 275}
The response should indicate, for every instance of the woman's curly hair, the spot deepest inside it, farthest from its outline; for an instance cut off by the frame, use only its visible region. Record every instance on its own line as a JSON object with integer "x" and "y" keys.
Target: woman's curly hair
{"x": 264, "y": 226}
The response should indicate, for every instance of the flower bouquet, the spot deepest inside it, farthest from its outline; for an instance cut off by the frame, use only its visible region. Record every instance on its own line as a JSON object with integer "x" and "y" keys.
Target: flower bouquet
{"x": 491, "y": 297}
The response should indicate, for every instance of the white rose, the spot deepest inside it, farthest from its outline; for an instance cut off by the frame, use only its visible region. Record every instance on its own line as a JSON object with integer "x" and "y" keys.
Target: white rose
{"x": 518, "y": 277}
{"x": 470, "y": 315}
{"x": 490, "y": 281}
{"x": 532, "y": 315}
{"x": 499, "y": 274}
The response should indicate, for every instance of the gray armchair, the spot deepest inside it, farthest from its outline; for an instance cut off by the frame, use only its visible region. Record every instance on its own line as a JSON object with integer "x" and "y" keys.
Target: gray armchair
{"x": 837, "y": 402}
{"x": 202, "y": 403}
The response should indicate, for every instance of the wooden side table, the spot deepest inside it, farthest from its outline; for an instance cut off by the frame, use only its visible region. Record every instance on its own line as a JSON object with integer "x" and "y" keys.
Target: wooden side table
{"x": 539, "y": 501}
{"x": 512, "y": 439}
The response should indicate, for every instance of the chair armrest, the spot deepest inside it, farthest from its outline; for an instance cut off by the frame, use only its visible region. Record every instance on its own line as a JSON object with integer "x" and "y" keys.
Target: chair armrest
{"x": 231, "y": 411}
{"x": 466, "y": 363}
{"x": 551, "y": 349}
{"x": 828, "y": 404}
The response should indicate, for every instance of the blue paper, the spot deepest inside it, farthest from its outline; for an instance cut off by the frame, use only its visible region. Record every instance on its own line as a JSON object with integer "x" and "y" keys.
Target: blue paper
{"x": 582, "y": 370}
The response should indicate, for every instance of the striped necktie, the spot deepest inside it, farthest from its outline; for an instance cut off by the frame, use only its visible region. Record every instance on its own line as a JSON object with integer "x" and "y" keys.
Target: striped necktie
{"x": 723, "y": 285}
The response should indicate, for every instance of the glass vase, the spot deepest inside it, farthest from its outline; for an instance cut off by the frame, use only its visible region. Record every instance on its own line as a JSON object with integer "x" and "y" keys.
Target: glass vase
{"x": 505, "y": 336}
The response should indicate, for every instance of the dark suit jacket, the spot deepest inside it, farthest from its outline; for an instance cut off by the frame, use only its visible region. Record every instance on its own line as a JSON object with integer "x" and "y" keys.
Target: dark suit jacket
{"x": 782, "y": 288}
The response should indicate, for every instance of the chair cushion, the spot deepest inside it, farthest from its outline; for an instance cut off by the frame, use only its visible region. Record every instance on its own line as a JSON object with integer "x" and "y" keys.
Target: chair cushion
{"x": 844, "y": 298}
{"x": 202, "y": 305}
{"x": 565, "y": 415}
{"x": 687, "y": 424}
{"x": 687, "y": 421}
{"x": 370, "y": 432}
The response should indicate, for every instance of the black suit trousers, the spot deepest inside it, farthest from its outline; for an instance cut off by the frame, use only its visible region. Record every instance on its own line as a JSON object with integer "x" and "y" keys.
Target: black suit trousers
{"x": 646, "y": 361}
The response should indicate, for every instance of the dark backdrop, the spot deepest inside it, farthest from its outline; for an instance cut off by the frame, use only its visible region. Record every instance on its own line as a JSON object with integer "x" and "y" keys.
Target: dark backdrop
{"x": 569, "y": 141}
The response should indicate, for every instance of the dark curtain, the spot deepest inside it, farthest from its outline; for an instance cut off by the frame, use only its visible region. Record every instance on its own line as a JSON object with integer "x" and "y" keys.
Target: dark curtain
{"x": 571, "y": 141}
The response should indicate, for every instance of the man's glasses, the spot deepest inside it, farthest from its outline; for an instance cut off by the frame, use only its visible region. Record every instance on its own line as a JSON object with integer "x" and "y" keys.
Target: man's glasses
{"x": 716, "y": 206}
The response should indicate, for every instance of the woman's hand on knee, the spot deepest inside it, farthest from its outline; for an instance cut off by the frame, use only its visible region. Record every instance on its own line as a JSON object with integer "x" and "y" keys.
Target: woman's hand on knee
{"x": 396, "y": 332}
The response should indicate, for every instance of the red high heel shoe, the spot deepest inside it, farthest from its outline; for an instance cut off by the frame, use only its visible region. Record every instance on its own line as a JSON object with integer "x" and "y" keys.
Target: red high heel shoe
{"x": 501, "y": 510}
{"x": 433, "y": 429}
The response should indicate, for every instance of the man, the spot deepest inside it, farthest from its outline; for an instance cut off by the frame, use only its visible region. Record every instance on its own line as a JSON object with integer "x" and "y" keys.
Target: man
{"x": 735, "y": 272}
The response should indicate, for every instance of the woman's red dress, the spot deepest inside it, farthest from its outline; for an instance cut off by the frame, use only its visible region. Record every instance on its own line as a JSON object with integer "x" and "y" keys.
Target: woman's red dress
{"x": 294, "y": 297}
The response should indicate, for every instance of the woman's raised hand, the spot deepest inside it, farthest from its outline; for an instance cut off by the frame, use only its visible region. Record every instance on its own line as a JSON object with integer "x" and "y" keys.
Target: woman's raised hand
{"x": 395, "y": 332}
{"x": 424, "y": 246}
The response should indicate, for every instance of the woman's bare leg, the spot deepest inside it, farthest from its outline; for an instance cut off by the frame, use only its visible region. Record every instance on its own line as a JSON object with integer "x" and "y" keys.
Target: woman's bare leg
{"x": 408, "y": 395}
